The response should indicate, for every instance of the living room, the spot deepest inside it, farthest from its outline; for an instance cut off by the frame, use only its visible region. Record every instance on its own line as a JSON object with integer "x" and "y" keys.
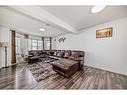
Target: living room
{"x": 63, "y": 48}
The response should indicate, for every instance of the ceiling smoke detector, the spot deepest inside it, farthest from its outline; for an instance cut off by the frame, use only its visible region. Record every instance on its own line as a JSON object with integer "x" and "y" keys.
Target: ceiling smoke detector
{"x": 97, "y": 9}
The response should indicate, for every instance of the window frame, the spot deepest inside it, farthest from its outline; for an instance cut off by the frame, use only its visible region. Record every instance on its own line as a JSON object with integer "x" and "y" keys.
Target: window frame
{"x": 31, "y": 45}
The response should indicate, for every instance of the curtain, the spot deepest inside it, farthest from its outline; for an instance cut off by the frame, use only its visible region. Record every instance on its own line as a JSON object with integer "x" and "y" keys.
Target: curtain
{"x": 43, "y": 43}
{"x": 50, "y": 43}
{"x": 13, "y": 51}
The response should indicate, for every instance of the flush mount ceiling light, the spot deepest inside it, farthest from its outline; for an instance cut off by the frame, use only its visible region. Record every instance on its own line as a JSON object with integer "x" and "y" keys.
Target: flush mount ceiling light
{"x": 42, "y": 29}
{"x": 97, "y": 9}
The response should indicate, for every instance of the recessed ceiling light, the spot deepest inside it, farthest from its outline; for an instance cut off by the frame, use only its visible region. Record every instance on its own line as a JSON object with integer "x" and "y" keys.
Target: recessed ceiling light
{"x": 97, "y": 9}
{"x": 42, "y": 29}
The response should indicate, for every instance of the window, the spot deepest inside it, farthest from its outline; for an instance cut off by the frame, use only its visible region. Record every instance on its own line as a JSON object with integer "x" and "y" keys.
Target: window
{"x": 48, "y": 44}
{"x": 39, "y": 45}
{"x": 17, "y": 45}
{"x": 18, "y": 48}
{"x": 35, "y": 44}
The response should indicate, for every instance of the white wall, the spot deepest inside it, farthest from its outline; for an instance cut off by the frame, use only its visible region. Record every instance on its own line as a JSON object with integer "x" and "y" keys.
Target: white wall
{"x": 105, "y": 53}
{"x": 5, "y": 36}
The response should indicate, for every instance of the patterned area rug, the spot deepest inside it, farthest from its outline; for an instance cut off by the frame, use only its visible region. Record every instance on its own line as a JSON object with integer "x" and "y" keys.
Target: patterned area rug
{"x": 41, "y": 70}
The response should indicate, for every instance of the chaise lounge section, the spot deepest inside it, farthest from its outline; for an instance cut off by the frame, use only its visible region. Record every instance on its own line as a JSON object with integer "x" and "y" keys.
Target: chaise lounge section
{"x": 68, "y": 61}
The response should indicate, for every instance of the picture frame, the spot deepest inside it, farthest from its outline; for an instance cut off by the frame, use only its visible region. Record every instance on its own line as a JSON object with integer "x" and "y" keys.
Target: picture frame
{"x": 103, "y": 33}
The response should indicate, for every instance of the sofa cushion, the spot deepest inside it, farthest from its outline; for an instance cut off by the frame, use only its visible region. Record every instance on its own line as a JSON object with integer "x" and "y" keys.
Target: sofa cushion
{"x": 65, "y": 63}
{"x": 55, "y": 53}
{"x": 35, "y": 53}
{"x": 67, "y": 54}
{"x": 60, "y": 54}
{"x": 66, "y": 67}
{"x": 48, "y": 53}
{"x": 74, "y": 55}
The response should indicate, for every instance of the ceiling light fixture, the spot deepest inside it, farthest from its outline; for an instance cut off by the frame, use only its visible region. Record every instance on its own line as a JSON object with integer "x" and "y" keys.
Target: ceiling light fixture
{"x": 42, "y": 29}
{"x": 97, "y": 9}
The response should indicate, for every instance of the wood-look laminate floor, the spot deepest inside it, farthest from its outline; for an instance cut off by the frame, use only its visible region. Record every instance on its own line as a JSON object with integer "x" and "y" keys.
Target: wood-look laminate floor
{"x": 19, "y": 77}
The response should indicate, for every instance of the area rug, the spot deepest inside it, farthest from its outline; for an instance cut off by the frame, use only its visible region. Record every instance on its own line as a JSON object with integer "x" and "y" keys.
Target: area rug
{"x": 41, "y": 70}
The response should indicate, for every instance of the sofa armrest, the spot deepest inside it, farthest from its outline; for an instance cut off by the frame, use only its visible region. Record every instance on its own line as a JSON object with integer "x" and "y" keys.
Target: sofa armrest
{"x": 79, "y": 59}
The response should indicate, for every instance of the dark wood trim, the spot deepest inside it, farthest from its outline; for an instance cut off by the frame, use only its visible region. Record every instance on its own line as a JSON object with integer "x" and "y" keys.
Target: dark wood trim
{"x": 13, "y": 54}
{"x": 50, "y": 43}
{"x": 43, "y": 43}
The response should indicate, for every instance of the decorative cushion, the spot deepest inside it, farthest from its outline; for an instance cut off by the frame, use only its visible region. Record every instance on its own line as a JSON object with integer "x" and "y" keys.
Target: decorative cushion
{"x": 55, "y": 53}
{"x": 74, "y": 55}
{"x": 67, "y": 54}
{"x": 60, "y": 54}
{"x": 35, "y": 53}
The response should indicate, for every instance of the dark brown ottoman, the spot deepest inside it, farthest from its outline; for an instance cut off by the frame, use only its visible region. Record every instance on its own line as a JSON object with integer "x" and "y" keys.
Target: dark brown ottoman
{"x": 66, "y": 67}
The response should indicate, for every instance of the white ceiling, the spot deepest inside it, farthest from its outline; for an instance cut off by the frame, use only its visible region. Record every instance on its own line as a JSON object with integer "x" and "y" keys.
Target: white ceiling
{"x": 25, "y": 24}
{"x": 80, "y": 17}
{"x": 61, "y": 19}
